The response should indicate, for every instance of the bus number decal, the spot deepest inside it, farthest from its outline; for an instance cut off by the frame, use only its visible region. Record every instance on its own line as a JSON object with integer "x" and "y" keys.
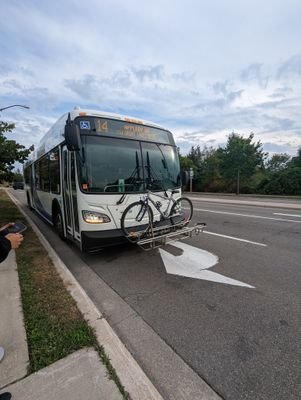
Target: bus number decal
{"x": 102, "y": 126}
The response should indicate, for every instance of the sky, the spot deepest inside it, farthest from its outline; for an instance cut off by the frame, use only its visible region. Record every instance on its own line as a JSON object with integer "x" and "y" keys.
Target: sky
{"x": 201, "y": 69}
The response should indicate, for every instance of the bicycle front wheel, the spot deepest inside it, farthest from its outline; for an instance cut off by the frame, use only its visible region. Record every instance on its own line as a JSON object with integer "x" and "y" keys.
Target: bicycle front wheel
{"x": 181, "y": 212}
{"x": 136, "y": 220}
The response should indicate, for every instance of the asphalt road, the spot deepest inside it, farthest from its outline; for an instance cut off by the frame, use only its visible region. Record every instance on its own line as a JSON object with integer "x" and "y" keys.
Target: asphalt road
{"x": 241, "y": 336}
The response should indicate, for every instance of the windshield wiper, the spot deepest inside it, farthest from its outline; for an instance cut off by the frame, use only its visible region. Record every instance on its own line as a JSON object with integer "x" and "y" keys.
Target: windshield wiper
{"x": 134, "y": 178}
{"x": 152, "y": 178}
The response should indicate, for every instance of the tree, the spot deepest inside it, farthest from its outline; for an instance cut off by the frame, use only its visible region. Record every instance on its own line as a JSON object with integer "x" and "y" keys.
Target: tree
{"x": 185, "y": 162}
{"x": 285, "y": 182}
{"x": 10, "y": 152}
{"x": 196, "y": 158}
{"x": 296, "y": 161}
{"x": 195, "y": 155}
{"x": 210, "y": 170}
{"x": 240, "y": 159}
{"x": 277, "y": 162}
{"x": 284, "y": 178}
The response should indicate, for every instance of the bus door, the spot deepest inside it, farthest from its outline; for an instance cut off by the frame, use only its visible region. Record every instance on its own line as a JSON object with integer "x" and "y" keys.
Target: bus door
{"x": 69, "y": 193}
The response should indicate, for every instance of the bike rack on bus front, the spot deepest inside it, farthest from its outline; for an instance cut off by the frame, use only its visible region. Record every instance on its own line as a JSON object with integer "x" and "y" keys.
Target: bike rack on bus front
{"x": 161, "y": 236}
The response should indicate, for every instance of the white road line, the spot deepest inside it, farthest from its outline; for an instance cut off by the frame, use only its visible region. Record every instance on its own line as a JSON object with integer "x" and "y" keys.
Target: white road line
{"x": 247, "y": 215}
{"x": 288, "y": 215}
{"x": 235, "y": 238}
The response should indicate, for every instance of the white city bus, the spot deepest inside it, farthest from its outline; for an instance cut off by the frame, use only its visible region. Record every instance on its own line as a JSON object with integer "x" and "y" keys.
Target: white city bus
{"x": 90, "y": 166}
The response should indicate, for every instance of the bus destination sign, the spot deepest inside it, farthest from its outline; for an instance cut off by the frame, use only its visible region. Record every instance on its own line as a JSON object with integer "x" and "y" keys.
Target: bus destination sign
{"x": 128, "y": 130}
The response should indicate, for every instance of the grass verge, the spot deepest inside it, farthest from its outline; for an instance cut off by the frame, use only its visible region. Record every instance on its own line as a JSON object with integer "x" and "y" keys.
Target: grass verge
{"x": 54, "y": 326}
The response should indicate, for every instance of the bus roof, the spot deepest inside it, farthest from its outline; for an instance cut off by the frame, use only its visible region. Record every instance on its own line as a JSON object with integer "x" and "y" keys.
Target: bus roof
{"x": 78, "y": 112}
{"x": 56, "y": 134}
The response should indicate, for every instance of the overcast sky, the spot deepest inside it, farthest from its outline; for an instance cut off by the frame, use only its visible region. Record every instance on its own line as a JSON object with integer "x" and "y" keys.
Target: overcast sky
{"x": 202, "y": 69}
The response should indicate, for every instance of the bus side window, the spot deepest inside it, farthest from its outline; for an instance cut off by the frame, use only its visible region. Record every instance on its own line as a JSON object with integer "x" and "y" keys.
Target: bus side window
{"x": 44, "y": 174}
{"x": 37, "y": 175}
{"x": 54, "y": 171}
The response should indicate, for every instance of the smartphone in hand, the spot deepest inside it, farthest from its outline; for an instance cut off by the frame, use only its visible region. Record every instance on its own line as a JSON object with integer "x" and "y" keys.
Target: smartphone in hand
{"x": 18, "y": 227}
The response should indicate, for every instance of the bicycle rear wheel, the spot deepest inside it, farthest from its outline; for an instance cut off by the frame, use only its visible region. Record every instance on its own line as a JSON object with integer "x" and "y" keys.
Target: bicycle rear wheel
{"x": 136, "y": 220}
{"x": 181, "y": 212}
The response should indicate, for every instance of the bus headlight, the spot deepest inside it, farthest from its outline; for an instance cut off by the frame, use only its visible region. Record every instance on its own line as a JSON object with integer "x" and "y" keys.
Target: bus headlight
{"x": 93, "y": 217}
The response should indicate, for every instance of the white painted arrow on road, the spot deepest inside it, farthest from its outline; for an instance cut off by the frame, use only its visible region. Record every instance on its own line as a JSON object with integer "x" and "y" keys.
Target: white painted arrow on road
{"x": 194, "y": 263}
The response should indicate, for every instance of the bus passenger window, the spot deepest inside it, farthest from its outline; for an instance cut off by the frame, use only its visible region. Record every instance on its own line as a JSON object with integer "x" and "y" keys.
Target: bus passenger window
{"x": 44, "y": 174}
{"x": 54, "y": 170}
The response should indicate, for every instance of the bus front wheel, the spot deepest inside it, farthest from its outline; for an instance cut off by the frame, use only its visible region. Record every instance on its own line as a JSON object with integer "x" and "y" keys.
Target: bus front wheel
{"x": 58, "y": 225}
{"x": 28, "y": 201}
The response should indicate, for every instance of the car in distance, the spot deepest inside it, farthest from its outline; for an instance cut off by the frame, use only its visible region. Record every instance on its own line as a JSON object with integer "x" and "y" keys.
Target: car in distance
{"x": 18, "y": 185}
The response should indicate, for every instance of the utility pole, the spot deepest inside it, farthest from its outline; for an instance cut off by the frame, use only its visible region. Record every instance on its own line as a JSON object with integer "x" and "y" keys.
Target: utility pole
{"x": 190, "y": 179}
{"x": 238, "y": 182}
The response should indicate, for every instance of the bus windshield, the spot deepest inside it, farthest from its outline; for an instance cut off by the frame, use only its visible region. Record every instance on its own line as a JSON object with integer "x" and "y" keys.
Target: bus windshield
{"x": 113, "y": 165}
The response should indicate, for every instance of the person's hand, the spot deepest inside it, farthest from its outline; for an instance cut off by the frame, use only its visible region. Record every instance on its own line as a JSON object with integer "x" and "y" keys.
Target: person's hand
{"x": 6, "y": 226}
{"x": 15, "y": 239}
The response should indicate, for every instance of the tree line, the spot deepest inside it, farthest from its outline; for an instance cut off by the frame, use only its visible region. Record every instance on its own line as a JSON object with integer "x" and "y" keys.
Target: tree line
{"x": 242, "y": 167}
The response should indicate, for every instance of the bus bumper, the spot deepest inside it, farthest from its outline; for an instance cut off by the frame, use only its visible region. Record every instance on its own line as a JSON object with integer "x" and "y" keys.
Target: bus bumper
{"x": 97, "y": 240}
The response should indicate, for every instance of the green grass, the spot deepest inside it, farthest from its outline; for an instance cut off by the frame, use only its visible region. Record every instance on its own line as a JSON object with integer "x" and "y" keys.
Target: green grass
{"x": 54, "y": 326}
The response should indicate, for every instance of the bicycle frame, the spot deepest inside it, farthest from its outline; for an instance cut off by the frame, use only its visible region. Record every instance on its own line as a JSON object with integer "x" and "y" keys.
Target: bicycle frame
{"x": 164, "y": 214}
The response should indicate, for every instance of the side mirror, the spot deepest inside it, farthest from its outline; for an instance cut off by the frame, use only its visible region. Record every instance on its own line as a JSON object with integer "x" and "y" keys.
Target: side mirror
{"x": 72, "y": 137}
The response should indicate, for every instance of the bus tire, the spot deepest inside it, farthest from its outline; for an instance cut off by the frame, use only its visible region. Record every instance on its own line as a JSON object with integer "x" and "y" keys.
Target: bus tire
{"x": 58, "y": 224}
{"x": 28, "y": 201}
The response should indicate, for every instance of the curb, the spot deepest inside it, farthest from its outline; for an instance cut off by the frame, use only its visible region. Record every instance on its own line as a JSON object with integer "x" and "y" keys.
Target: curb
{"x": 136, "y": 383}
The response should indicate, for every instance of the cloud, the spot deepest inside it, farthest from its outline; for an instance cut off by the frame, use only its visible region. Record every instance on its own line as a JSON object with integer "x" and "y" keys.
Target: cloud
{"x": 195, "y": 76}
{"x": 281, "y": 92}
{"x": 84, "y": 87}
{"x": 275, "y": 124}
{"x": 150, "y": 73}
{"x": 278, "y": 148}
{"x": 220, "y": 87}
{"x": 254, "y": 72}
{"x": 290, "y": 68}
{"x": 6, "y": 69}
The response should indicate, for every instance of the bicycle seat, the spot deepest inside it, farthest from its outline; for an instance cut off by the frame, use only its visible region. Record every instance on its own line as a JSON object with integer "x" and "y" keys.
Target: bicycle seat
{"x": 175, "y": 191}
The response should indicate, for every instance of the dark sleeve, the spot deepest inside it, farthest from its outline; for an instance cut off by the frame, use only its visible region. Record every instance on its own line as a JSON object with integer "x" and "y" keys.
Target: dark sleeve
{"x": 5, "y": 248}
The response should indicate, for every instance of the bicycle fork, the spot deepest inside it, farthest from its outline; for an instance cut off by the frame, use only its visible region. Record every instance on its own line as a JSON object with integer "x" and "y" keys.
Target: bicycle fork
{"x": 141, "y": 214}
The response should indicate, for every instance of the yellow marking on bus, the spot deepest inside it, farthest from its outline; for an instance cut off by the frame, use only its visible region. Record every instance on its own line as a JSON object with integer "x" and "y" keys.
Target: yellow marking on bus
{"x": 136, "y": 121}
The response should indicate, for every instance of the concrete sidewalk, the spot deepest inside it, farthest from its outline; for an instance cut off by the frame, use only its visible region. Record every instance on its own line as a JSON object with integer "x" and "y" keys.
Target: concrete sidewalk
{"x": 12, "y": 332}
{"x": 79, "y": 376}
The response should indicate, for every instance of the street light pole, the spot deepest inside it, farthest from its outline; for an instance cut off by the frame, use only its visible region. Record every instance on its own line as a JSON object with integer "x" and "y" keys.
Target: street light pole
{"x": 190, "y": 177}
{"x": 238, "y": 182}
{"x": 14, "y": 105}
